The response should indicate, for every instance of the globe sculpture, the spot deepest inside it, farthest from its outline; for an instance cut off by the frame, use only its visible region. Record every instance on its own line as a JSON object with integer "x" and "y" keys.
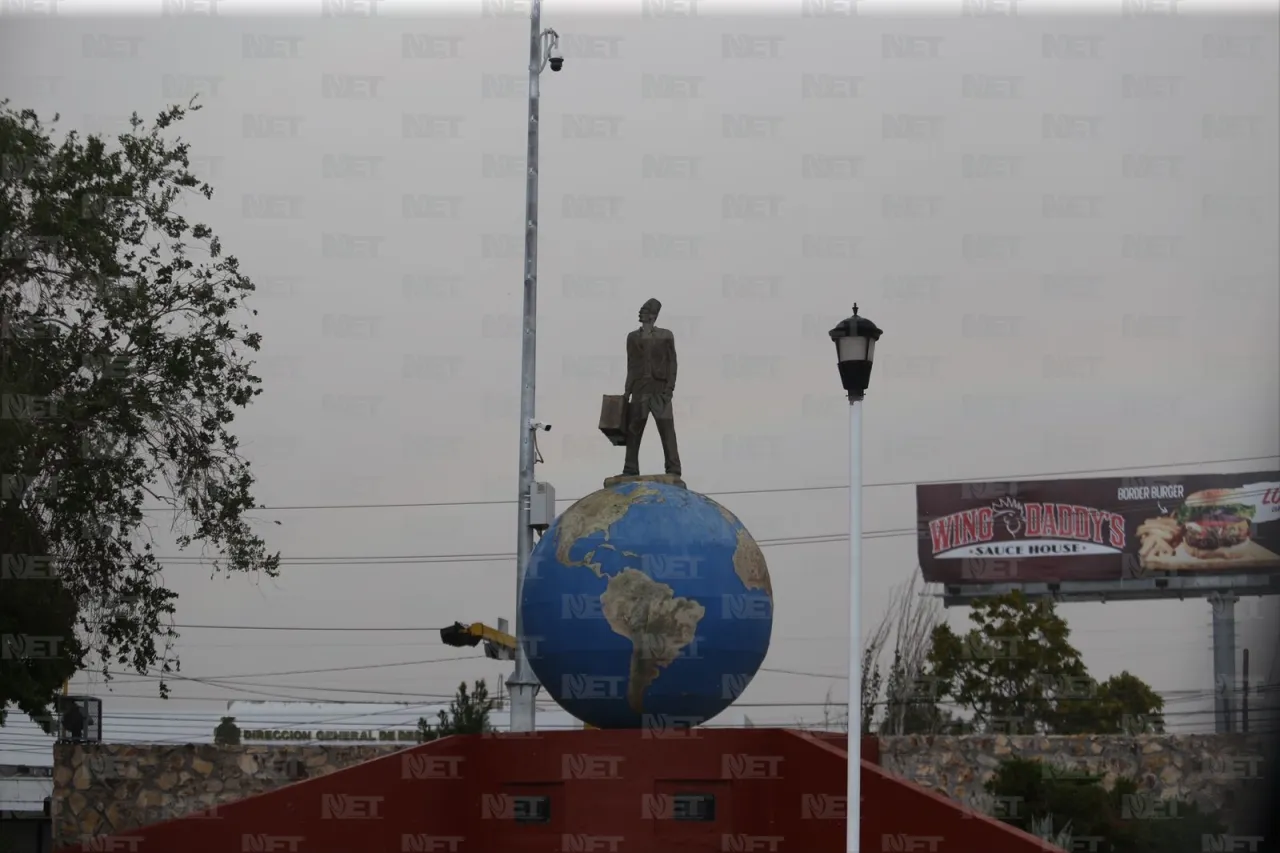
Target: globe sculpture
{"x": 646, "y": 605}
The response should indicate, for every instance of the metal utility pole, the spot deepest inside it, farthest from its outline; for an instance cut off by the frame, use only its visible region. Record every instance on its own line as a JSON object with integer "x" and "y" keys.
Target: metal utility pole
{"x": 523, "y": 684}
{"x": 1224, "y": 660}
{"x": 1244, "y": 695}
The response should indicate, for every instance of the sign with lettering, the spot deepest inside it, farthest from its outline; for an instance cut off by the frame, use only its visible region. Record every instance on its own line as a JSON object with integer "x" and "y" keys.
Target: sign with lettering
{"x": 1099, "y": 529}
{"x": 345, "y": 735}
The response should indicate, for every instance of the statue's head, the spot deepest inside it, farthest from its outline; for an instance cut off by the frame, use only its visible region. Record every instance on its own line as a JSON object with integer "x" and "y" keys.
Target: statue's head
{"x": 649, "y": 311}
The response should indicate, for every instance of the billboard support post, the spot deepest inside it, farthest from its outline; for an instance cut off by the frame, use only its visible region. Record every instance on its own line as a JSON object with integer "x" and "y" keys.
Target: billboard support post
{"x": 1224, "y": 660}
{"x": 1244, "y": 694}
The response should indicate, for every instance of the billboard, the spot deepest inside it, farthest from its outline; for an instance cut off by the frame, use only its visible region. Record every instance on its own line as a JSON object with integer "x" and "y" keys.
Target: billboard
{"x": 1099, "y": 529}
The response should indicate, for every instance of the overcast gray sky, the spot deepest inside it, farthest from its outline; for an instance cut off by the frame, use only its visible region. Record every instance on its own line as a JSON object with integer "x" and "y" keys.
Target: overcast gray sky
{"x": 1066, "y": 227}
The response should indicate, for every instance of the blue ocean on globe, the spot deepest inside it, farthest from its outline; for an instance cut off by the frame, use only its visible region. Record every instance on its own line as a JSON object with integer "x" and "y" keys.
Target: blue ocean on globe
{"x": 646, "y": 605}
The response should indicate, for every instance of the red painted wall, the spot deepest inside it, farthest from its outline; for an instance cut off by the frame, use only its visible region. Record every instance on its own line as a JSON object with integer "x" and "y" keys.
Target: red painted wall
{"x": 777, "y": 791}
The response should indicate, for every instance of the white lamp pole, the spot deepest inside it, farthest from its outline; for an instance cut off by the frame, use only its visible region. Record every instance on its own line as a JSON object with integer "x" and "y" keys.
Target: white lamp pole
{"x": 855, "y": 340}
{"x": 523, "y": 684}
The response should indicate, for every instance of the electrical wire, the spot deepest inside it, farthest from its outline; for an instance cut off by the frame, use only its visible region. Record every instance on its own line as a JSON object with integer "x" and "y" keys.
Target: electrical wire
{"x": 145, "y": 722}
{"x": 1169, "y": 696}
{"x": 404, "y": 695}
{"x": 179, "y": 676}
{"x": 135, "y": 678}
{"x": 236, "y": 680}
{"x": 420, "y": 559}
{"x": 827, "y": 638}
{"x": 295, "y": 628}
{"x": 427, "y": 559}
{"x": 1262, "y": 721}
{"x": 840, "y": 487}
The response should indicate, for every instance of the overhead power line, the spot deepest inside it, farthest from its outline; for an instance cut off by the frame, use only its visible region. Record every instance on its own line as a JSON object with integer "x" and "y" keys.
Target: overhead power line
{"x": 294, "y": 628}
{"x": 138, "y": 719}
{"x": 826, "y": 638}
{"x": 134, "y": 717}
{"x": 840, "y": 487}
{"x": 812, "y": 539}
{"x": 495, "y": 557}
{"x": 229, "y": 680}
{"x": 181, "y": 677}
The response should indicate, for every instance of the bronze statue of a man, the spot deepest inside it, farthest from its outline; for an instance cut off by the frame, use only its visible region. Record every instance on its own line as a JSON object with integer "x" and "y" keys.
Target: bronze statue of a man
{"x": 651, "y": 379}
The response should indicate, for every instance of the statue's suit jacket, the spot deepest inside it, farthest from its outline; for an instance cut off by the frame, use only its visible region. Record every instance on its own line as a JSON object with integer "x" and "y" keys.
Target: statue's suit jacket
{"x": 658, "y": 351}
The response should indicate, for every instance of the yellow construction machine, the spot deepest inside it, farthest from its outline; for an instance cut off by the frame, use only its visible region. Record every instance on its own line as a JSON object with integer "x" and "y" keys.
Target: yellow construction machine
{"x": 498, "y": 644}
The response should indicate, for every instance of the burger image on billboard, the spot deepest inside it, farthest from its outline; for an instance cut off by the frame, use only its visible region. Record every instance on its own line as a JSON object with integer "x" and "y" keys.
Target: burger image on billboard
{"x": 1213, "y": 529}
{"x": 1215, "y": 523}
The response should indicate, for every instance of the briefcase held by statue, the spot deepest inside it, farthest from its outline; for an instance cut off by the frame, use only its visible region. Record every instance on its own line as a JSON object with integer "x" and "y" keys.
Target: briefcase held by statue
{"x": 613, "y": 419}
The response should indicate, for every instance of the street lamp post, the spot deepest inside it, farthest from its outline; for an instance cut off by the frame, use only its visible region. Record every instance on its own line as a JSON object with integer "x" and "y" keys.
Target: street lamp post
{"x": 523, "y": 685}
{"x": 855, "y": 340}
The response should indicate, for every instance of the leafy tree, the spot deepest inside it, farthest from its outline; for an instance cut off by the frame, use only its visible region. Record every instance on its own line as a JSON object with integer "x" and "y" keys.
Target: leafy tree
{"x": 1011, "y": 667}
{"x": 1123, "y": 704}
{"x": 227, "y": 733}
{"x": 468, "y": 714}
{"x": 37, "y": 623}
{"x": 1017, "y": 672}
{"x": 1076, "y": 807}
{"x": 123, "y": 360}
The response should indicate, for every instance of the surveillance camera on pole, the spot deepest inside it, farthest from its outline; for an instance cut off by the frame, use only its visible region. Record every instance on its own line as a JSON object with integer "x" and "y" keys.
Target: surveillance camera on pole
{"x": 544, "y": 50}
{"x": 548, "y": 48}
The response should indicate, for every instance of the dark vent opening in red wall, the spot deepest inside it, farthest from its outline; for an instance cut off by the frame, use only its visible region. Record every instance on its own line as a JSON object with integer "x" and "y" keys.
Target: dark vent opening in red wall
{"x": 697, "y": 808}
{"x": 531, "y": 809}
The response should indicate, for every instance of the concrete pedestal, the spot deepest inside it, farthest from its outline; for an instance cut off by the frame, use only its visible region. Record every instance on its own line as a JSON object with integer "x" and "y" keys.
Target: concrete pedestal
{"x": 668, "y": 479}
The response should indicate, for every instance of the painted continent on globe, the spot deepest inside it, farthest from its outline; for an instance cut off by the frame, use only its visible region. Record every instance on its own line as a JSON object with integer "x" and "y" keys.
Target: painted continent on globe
{"x": 645, "y": 599}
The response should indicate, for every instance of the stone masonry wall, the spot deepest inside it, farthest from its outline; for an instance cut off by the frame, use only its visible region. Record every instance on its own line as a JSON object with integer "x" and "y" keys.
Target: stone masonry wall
{"x": 100, "y": 789}
{"x": 104, "y": 788}
{"x": 1213, "y": 771}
